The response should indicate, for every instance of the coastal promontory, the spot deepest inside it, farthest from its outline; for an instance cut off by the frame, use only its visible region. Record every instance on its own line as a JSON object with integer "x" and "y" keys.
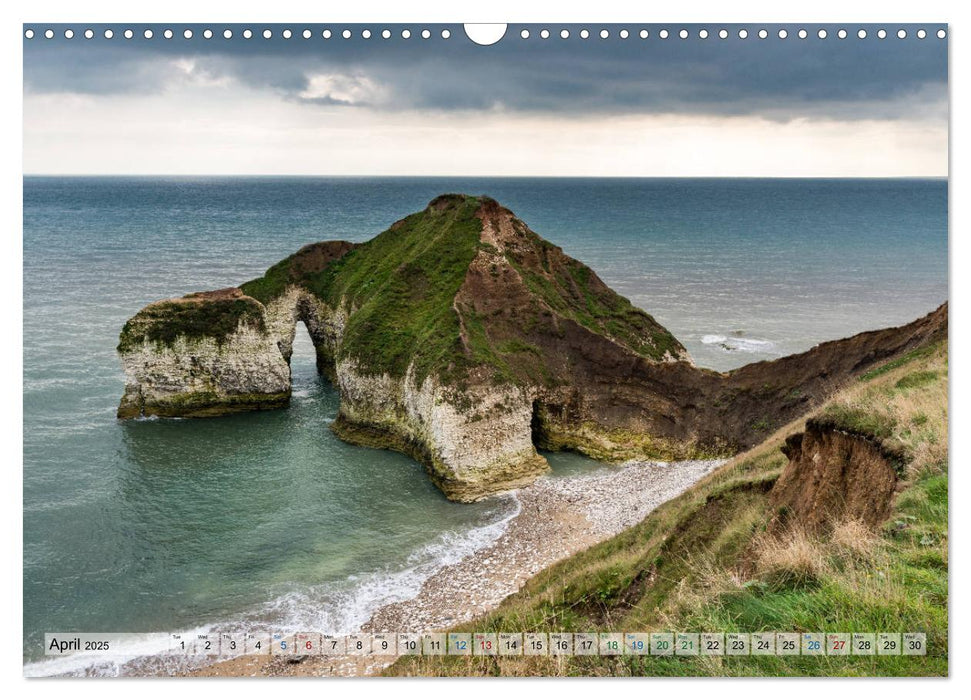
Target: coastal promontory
{"x": 462, "y": 338}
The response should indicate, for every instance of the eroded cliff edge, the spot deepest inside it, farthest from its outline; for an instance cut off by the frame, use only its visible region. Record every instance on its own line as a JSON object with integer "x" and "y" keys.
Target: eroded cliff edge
{"x": 462, "y": 338}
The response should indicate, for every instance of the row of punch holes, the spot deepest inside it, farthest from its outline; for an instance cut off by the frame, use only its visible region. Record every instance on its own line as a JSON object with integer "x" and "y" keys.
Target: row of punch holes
{"x": 446, "y": 33}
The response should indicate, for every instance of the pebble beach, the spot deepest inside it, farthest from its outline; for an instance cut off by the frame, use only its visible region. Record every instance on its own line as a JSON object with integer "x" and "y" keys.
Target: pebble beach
{"x": 558, "y": 516}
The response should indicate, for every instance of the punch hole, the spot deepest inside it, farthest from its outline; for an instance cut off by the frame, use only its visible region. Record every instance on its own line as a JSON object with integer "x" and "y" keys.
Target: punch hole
{"x": 109, "y": 34}
{"x": 29, "y": 34}
{"x": 187, "y": 34}
{"x": 68, "y": 33}
{"x": 483, "y": 34}
{"x": 624, "y": 33}
{"x": 584, "y": 34}
{"x": 307, "y": 34}
{"x": 941, "y": 34}
{"x": 446, "y": 34}
{"x": 168, "y": 33}
{"x": 129, "y": 33}
{"x": 604, "y": 34}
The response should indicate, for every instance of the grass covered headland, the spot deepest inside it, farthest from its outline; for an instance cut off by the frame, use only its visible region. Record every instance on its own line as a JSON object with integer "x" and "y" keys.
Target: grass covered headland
{"x": 407, "y": 290}
{"x": 736, "y": 553}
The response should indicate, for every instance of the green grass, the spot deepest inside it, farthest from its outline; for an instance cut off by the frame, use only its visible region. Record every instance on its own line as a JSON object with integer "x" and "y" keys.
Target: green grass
{"x": 270, "y": 285}
{"x": 571, "y": 289}
{"x": 401, "y": 286}
{"x": 165, "y": 321}
{"x": 706, "y": 561}
{"x": 916, "y": 379}
{"x": 896, "y": 363}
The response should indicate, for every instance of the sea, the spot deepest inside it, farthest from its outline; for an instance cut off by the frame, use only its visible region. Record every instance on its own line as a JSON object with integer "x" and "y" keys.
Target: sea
{"x": 266, "y": 520}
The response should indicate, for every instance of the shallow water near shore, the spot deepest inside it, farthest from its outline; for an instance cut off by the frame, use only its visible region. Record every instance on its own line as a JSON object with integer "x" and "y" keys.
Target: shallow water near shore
{"x": 267, "y": 519}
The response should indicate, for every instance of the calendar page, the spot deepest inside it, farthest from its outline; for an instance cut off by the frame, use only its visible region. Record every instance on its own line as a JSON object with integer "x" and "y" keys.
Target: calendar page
{"x": 521, "y": 350}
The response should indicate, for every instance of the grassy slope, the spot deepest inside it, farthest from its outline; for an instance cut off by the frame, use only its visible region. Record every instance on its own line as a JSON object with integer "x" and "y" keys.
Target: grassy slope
{"x": 678, "y": 570}
{"x": 403, "y": 282}
{"x": 574, "y": 291}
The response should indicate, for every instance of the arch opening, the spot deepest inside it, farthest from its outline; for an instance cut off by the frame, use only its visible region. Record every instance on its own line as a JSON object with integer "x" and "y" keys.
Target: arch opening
{"x": 303, "y": 358}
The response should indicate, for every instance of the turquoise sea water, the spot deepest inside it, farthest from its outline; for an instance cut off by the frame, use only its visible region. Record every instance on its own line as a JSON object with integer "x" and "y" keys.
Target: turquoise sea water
{"x": 267, "y": 519}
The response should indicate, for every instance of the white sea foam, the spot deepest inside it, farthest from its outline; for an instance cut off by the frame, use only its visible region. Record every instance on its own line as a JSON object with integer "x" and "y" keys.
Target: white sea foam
{"x": 326, "y": 609}
{"x": 737, "y": 343}
{"x": 148, "y": 646}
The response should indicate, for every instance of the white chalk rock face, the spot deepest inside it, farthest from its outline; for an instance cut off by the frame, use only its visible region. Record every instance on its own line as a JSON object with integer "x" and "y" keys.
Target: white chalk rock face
{"x": 475, "y": 442}
{"x": 214, "y": 353}
{"x": 205, "y": 354}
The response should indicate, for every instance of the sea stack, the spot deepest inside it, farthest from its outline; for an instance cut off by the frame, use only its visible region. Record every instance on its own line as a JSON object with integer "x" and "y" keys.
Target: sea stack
{"x": 461, "y": 337}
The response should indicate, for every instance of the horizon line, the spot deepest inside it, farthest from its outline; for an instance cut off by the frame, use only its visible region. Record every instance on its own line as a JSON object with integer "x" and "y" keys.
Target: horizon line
{"x": 507, "y": 177}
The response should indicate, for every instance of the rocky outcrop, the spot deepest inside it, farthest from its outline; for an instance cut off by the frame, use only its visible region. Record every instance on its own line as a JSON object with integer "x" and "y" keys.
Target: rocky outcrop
{"x": 201, "y": 355}
{"x": 835, "y": 474}
{"x": 469, "y": 451}
{"x": 462, "y": 338}
{"x": 214, "y": 353}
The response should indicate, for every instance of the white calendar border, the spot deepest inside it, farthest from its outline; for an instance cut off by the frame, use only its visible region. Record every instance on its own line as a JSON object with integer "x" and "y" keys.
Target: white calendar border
{"x": 441, "y": 11}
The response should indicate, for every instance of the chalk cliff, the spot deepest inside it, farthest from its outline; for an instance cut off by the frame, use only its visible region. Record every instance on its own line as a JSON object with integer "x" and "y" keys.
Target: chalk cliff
{"x": 462, "y": 338}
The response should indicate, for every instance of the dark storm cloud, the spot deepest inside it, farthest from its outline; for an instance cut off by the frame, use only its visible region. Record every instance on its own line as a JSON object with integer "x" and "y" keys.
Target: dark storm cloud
{"x": 780, "y": 79}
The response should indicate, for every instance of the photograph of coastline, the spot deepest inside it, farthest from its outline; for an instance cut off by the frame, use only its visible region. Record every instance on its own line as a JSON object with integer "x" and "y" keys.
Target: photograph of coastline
{"x": 374, "y": 335}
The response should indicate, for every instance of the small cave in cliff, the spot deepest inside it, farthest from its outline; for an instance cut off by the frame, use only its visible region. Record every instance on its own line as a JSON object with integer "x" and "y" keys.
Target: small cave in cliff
{"x": 538, "y": 427}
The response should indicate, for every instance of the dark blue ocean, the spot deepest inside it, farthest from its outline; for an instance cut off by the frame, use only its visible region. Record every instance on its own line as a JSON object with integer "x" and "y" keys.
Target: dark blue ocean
{"x": 267, "y": 519}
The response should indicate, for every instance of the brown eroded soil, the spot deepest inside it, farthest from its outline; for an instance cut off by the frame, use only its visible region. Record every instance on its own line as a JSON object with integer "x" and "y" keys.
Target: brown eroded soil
{"x": 834, "y": 475}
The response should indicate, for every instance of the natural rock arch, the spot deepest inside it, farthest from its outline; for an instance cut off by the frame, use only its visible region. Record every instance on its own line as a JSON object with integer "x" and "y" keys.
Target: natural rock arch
{"x": 462, "y": 338}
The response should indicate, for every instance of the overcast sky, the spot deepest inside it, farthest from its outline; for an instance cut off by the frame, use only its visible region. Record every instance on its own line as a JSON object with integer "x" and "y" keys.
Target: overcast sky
{"x": 615, "y": 107}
